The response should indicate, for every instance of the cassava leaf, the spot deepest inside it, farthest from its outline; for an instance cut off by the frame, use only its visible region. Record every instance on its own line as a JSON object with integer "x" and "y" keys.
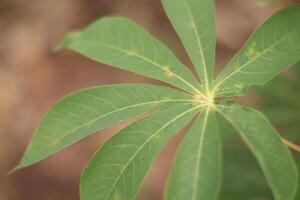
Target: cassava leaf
{"x": 194, "y": 22}
{"x": 119, "y": 167}
{"x": 265, "y": 143}
{"x": 242, "y": 176}
{"x": 196, "y": 170}
{"x": 273, "y": 47}
{"x": 82, "y": 113}
{"x": 123, "y": 44}
{"x": 277, "y": 100}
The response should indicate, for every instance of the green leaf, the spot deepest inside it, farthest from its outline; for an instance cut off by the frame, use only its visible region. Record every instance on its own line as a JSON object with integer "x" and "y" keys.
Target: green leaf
{"x": 242, "y": 176}
{"x": 265, "y": 143}
{"x": 117, "y": 170}
{"x": 281, "y": 89}
{"x": 281, "y": 100}
{"x": 123, "y": 44}
{"x": 82, "y": 113}
{"x": 196, "y": 170}
{"x": 119, "y": 167}
{"x": 272, "y": 48}
{"x": 194, "y": 22}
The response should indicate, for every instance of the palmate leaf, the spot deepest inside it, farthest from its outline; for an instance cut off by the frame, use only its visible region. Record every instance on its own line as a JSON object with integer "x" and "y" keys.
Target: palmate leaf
{"x": 196, "y": 170}
{"x": 264, "y": 141}
{"x": 82, "y": 113}
{"x": 272, "y": 48}
{"x": 194, "y": 22}
{"x": 122, "y": 43}
{"x": 118, "y": 168}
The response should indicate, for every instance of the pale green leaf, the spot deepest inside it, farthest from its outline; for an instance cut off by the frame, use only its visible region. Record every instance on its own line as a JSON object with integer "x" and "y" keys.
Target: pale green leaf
{"x": 196, "y": 170}
{"x": 123, "y": 44}
{"x": 84, "y": 112}
{"x": 272, "y": 48}
{"x": 119, "y": 167}
{"x": 265, "y": 143}
{"x": 194, "y": 21}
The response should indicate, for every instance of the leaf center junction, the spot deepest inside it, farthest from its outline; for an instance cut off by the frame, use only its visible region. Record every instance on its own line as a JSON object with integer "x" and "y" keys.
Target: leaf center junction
{"x": 208, "y": 102}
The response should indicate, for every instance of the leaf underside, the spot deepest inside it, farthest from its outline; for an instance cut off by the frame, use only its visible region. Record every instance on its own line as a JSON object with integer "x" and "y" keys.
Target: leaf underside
{"x": 118, "y": 168}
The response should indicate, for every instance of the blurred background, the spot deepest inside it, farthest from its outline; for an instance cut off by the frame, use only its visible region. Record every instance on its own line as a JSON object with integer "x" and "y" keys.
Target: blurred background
{"x": 32, "y": 78}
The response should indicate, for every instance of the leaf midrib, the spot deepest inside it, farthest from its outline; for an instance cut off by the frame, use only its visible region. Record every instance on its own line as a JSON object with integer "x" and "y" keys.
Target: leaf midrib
{"x": 65, "y": 134}
{"x": 148, "y": 140}
{"x": 196, "y": 32}
{"x": 195, "y": 182}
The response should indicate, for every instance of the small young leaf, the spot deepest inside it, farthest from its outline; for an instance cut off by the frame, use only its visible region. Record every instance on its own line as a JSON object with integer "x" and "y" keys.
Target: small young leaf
{"x": 272, "y": 48}
{"x": 119, "y": 167}
{"x": 194, "y": 21}
{"x": 196, "y": 170}
{"x": 265, "y": 143}
{"x": 122, "y": 43}
{"x": 82, "y": 113}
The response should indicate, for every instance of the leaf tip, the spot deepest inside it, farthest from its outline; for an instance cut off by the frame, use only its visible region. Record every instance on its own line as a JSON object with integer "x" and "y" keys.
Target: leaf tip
{"x": 24, "y": 162}
{"x": 15, "y": 169}
{"x": 67, "y": 41}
